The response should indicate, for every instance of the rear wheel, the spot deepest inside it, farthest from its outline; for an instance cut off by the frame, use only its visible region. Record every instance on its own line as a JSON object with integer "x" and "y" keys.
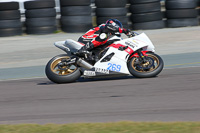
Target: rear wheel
{"x": 150, "y": 68}
{"x": 58, "y": 72}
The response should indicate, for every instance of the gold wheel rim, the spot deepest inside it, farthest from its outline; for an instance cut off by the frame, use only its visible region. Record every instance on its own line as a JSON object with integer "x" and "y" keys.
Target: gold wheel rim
{"x": 62, "y": 70}
{"x": 156, "y": 64}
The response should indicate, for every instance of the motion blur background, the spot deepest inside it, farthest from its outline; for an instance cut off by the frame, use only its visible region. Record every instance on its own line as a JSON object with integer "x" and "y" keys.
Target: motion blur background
{"x": 19, "y": 17}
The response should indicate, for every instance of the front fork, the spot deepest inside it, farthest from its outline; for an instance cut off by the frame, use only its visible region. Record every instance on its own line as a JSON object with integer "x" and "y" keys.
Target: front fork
{"x": 142, "y": 57}
{"x": 141, "y": 54}
{"x": 142, "y": 62}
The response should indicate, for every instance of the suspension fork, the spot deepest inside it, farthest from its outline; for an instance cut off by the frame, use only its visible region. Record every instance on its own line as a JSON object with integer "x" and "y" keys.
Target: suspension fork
{"x": 142, "y": 57}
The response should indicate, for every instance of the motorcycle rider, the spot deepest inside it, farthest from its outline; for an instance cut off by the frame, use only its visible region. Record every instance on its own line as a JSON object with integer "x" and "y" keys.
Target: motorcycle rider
{"x": 99, "y": 36}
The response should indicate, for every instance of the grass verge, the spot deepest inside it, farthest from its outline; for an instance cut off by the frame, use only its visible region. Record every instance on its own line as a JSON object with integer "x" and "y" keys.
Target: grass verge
{"x": 117, "y": 127}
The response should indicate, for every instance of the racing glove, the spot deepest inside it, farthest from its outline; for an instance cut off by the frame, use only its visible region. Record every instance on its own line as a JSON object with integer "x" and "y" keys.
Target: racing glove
{"x": 126, "y": 31}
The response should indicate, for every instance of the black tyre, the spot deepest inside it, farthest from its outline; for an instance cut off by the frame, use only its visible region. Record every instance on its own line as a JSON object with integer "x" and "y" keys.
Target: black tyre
{"x": 199, "y": 11}
{"x": 183, "y": 13}
{"x": 10, "y": 14}
{"x": 110, "y": 12}
{"x": 40, "y": 22}
{"x": 39, "y": 4}
{"x": 142, "y": 1}
{"x": 110, "y": 3}
{"x": 164, "y": 14}
{"x": 149, "y": 25}
{"x": 40, "y": 13}
{"x": 10, "y": 32}
{"x": 172, "y": 23}
{"x": 16, "y": 23}
{"x": 9, "y": 6}
{"x": 74, "y": 2}
{"x": 151, "y": 68}
{"x": 41, "y": 30}
{"x": 61, "y": 74}
{"x": 76, "y": 20}
{"x": 145, "y": 8}
{"x": 146, "y": 17}
{"x": 76, "y": 11}
{"x": 76, "y": 28}
{"x": 180, "y": 4}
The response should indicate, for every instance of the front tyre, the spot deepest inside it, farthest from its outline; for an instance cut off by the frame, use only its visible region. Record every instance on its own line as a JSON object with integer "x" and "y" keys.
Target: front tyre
{"x": 150, "y": 68}
{"x": 58, "y": 72}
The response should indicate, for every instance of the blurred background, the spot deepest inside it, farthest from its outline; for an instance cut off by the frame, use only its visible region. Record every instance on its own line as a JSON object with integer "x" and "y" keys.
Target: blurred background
{"x": 18, "y": 17}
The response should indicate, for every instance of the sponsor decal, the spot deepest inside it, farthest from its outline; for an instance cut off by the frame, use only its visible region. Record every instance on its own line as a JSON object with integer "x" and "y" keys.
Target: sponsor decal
{"x": 135, "y": 42}
{"x": 129, "y": 44}
{"x": 89, "y": 73}
{"x": 101, "y": 70}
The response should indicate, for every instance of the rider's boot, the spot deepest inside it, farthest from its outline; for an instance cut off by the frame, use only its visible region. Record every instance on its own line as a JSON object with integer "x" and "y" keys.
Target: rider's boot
{"x": 85, "y": 51}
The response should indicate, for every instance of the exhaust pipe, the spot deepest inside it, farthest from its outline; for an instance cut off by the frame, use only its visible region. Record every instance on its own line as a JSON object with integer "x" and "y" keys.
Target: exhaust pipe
{"x": 84, "y": 64}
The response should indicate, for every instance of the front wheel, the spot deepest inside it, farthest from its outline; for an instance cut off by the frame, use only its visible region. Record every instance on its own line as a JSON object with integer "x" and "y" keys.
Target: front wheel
{"x": 58, "y": 72}
{"x": 152, "y": 66}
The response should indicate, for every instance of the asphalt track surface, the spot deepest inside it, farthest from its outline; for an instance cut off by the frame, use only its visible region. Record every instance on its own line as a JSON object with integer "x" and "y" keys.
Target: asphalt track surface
{"x": 171, "y": 96}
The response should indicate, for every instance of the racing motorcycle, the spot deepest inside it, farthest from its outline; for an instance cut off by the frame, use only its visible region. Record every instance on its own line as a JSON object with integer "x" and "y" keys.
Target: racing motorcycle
{"x": 118, "y": 57}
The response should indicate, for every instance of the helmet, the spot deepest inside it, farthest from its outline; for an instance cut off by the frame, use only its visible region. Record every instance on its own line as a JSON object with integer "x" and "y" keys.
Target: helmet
{"x": 113, "y": 25}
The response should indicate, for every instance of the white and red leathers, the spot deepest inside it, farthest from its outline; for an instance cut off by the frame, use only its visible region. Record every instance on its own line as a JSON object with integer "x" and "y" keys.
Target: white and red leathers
{"x": 92, "y": 37}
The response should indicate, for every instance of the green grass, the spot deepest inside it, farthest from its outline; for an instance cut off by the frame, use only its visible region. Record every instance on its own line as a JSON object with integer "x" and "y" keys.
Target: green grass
{"x": 117, "y": 127}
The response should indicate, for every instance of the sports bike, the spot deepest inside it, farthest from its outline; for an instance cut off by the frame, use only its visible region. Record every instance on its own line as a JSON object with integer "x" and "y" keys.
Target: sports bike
{"x": 133, "y": 56}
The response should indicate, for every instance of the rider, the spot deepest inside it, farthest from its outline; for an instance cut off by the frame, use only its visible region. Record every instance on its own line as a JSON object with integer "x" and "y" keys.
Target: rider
{"x": 100, "y": 35}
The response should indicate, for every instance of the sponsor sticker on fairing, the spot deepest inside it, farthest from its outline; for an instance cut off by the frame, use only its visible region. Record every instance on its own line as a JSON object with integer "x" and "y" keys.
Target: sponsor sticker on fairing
{"x": 101, "y": 70}
{"x": 89, "y": 73}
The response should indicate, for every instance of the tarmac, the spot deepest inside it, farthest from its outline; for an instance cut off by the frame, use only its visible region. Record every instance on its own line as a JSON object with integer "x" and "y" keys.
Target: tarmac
{"x": 37, "y": 50}
{"x": 173, "y": 96}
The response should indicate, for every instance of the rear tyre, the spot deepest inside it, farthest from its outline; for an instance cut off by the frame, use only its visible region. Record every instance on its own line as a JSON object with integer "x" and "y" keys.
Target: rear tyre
{"x": 151, "y": 68}
{"x": 58, "y": 73}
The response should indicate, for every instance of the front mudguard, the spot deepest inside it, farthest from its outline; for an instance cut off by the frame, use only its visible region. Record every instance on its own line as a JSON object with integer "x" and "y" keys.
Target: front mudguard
{"x": 143, "y": 52}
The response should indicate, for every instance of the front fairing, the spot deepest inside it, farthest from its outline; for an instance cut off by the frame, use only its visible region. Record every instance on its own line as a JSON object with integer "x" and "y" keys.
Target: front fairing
{"x": 138, "y": 42}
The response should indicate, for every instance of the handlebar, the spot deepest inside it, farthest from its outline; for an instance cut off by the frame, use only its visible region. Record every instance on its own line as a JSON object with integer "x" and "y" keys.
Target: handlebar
{"x": 132, "y": 34}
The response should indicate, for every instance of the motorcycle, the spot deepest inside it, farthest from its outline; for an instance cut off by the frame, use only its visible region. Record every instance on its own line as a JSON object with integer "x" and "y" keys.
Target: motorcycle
{"x": 118, "y": 57}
